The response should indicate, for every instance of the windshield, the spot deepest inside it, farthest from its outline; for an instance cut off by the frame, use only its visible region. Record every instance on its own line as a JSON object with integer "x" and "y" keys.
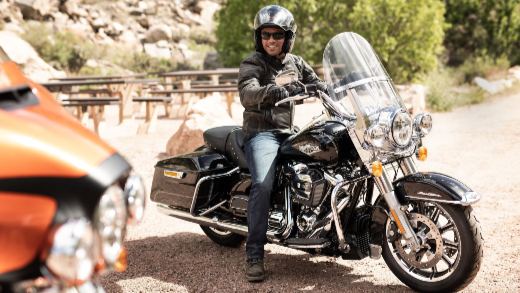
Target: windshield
{"x": 358, "y": 82}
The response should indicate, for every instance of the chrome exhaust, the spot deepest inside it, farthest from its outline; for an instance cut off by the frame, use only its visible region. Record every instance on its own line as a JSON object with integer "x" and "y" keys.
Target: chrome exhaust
{"x": 209, "y": 222}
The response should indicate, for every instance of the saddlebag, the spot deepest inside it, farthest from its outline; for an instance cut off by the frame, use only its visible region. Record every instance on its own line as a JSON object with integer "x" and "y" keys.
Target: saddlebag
{"x": 175, "y": 179}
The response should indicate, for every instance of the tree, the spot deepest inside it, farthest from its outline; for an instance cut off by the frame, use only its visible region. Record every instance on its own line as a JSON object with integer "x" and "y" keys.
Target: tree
{"x": 482, "y": 28}
{"x": 407, "y": 35}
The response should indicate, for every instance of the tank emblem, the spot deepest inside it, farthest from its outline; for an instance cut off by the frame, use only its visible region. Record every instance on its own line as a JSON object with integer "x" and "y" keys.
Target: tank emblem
{"x": 309, "y": 149}
{"x": 173, "y": 174}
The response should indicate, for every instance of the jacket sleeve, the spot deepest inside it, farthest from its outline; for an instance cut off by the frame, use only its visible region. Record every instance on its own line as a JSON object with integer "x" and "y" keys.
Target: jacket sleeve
{"x": 252, "y": 94}
{"x": 308, "y": 74}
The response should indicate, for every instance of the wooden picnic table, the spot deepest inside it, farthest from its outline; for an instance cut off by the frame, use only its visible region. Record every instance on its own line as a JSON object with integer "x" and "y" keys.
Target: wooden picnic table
{"x": 103, "y": 77}
{"x": 186, "y": 76}
{"x": 120, "y": 88}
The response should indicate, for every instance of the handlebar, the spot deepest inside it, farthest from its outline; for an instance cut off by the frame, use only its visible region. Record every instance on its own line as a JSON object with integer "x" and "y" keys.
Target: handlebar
{"x": 293, "y": 98}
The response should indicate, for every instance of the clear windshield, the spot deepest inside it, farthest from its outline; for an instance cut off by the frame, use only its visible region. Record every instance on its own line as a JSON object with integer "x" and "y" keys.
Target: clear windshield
{"x": 357, "y": 81}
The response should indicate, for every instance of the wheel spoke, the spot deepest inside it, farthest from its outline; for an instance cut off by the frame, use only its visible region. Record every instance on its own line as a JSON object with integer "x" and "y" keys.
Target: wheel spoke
{"x": 446, "y": 227}
{"x": 450, "y": 244}
{"x": 434, "y": 272}
{"x": 435, "y": 214}
{"x": 447, "y": 260}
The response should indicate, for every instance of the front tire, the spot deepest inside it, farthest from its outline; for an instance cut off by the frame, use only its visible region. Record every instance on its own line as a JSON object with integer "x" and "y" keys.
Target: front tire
{"x": 452, "y": 251}
{"x": 224, "y": 238}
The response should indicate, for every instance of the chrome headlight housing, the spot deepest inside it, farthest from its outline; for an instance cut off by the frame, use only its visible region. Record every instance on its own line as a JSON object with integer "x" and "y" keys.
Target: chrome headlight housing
{"x": 423, "y": 124}
{"x": 73, "y": 252}
{"x": 135, "y": 195}
{"x": 375, "y": 136}
{"x": 110, "y": 221}
{"x": 402, "y": 129}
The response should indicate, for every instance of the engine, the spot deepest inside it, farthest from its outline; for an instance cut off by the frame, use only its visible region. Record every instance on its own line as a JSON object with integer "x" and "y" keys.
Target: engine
{"x": 307, "y": 185}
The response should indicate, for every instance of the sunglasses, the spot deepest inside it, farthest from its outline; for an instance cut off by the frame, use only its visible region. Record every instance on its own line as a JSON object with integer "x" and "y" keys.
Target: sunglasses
{"x": 275, "y": 35}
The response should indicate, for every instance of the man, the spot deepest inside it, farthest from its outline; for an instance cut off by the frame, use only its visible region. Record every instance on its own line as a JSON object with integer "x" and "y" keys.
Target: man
{"x": 266, "y": 126}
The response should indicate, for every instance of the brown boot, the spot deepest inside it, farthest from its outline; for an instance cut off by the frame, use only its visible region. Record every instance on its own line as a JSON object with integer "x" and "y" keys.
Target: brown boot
{"x": 255, "y": 271}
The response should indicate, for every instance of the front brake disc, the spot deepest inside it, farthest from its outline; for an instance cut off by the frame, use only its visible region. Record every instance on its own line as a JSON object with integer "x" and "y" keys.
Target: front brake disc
{"x": 430, "y": 238}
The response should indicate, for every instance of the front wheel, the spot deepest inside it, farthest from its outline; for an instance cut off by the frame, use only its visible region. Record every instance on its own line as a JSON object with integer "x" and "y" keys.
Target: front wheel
{"x": 224, "y": 238}
{"x": 450, "y": 250}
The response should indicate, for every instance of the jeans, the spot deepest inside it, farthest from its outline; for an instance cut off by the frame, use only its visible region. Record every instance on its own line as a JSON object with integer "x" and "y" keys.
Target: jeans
{"x": 261, "y": 154}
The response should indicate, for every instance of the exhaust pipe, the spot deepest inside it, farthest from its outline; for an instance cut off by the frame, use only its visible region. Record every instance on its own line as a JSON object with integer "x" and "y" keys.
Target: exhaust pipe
{"x": 205, "y": 221}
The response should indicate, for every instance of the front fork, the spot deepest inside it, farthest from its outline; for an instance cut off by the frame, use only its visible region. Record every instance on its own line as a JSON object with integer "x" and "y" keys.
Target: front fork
{"x": 396, "y": 210}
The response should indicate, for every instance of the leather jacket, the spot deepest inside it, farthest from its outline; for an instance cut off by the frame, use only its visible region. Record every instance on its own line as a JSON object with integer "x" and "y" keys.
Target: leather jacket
{"x": 256, "y": 75}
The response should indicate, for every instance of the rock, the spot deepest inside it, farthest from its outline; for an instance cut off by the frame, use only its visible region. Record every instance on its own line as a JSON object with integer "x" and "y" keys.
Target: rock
{"x": 37, "y": 9}
{"x": 514, "y": 73}
{"x": 143, "y": 21}
{"x": 157, "y": 33}
{"x": 10, "y": 13}
{"x": 414, "y": 97}
{"x": 129, "y": 38}
{"x": 207, "y": 113}
{"x": 211, "y": 61}
{"x": 492, "y": 87}
{"x": 23, "y": 54}
{"x": 207, "y": 12}
{"x": 14, "y": 28}
{"x": 155, "y": 51}
{"x": 98, "y": 23}
{"x": 115, "y": 29}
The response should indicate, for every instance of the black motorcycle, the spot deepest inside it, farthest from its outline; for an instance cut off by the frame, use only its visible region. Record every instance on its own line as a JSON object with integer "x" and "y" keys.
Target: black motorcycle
{"x": 347, "y": 184}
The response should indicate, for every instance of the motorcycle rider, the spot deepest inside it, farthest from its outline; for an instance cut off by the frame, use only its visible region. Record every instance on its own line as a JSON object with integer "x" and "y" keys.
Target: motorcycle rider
{"x": 266, "y": 126}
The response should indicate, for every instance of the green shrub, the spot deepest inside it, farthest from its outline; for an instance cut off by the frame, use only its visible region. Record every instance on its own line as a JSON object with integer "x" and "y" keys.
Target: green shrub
{"x": 483, "y": 66}
{"x": 446, "y": 90}
{"x": 482, "y": 28}
{"x": 63, "y": 50}
{"x": 407, "y": 35}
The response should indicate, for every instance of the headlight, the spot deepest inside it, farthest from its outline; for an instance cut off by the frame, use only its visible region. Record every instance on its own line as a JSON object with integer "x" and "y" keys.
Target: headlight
{"x": 135, "y": 195}
{"x": 110, "y": 221}
{"x": 402, "y": 129}
{"x": 375, "y": 136}
{"x": 73, "y": 252}
{"x": 423, "y": 124}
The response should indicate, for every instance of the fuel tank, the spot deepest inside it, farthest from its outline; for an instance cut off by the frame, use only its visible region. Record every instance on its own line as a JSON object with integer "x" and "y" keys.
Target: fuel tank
{"x": 326, "y": 142}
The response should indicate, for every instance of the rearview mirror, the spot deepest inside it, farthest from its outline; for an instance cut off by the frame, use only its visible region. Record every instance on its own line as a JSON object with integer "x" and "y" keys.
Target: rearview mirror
{"x": 286, "y": 77}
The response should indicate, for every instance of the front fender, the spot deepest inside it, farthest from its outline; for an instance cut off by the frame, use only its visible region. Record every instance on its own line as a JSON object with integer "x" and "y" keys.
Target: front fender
{"x": 430, "y": 186}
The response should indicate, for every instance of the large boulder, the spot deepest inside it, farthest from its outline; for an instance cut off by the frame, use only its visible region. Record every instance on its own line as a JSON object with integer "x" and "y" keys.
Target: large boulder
{"x": 24, "y": 55}
{"x": 37, "y": 9}
{"x": 206, "y": 113}
{"x": 157, "y": 33}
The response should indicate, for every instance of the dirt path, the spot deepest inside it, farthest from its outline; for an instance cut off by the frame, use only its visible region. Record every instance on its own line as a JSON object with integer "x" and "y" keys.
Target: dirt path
{"x": 478, "y": 144}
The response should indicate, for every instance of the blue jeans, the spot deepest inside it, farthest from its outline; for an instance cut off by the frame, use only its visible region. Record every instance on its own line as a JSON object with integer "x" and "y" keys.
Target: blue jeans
{"x": 261, "y": 154}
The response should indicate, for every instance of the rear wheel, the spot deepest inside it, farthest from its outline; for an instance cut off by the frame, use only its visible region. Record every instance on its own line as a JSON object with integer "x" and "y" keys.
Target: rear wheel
{"x": 222, "y": 237}
{"x": 450, "y": 253}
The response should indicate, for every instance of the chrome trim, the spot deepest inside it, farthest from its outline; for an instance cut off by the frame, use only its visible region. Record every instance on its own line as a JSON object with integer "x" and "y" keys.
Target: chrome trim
{"x": 288, "y": 211}
{"x": 197, "y": 186}
{"x": 205, "y": 221}
{"x": 387, "y": 190}
{"x": 468, "y": 198}
{"x": 335, "y": 214}
{"x": 313, "y": 246}
{"x": 408, "y": 166}
{"x": 360, "y": 82}
{"x": 213, "y": 208}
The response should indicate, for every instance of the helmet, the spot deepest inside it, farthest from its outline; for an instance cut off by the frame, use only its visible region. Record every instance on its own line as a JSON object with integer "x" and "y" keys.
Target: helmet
{"x": 275, "y": 16}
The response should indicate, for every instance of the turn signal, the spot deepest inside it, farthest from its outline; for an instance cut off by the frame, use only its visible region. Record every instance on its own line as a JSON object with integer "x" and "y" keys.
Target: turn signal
{"x": 121, "y": 263}
{"x": 422, "y": 153}
{"x": 377, "y": 169}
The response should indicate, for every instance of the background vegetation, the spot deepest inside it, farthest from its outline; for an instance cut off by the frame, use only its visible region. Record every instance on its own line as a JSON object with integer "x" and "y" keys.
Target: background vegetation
{"x": 443, "y": 44}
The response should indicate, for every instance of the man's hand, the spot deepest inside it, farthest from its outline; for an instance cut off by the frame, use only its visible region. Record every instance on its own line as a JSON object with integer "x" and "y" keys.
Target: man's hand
{"x": 277, "y": 93}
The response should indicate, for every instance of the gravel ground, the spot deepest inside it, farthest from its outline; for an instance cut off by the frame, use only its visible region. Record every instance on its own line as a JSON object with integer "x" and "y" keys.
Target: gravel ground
{"x": 475, "y": 144}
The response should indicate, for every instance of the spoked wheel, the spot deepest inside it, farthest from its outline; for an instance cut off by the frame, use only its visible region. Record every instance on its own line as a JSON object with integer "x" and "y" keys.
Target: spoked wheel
{"x": 222, "y": 237}
{"x": 450, "y": 251}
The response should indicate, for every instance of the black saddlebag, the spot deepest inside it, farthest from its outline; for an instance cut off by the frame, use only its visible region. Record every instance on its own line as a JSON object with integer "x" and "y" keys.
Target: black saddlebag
{"x": 175, "y": 179}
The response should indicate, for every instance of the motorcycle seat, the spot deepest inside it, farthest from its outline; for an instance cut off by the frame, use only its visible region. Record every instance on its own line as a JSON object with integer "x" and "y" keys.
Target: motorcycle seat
{"x": 227, "y": 140}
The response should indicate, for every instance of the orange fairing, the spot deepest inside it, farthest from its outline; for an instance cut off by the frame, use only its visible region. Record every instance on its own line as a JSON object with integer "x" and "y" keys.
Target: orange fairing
{"x": 43, "y": 139}
{"x": 24, "y": 222}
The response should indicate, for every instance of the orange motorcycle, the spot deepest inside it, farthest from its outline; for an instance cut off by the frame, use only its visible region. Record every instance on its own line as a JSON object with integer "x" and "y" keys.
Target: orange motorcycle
{"x": 66, "y": 196}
